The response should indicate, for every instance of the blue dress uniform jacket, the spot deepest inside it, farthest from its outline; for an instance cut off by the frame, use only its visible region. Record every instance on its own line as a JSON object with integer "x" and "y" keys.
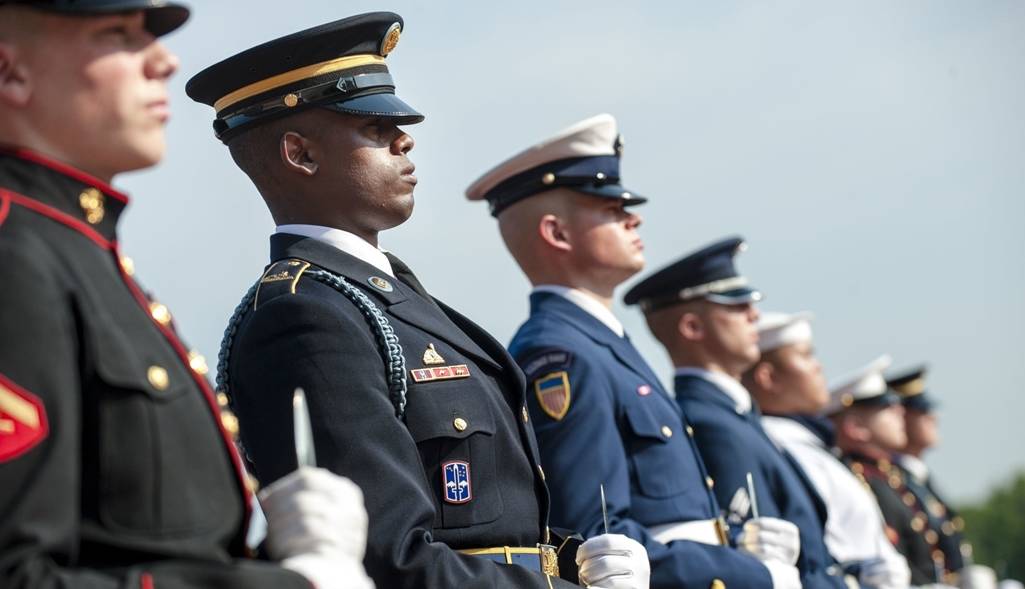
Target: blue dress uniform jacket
{"x": 468, "y": 424}
{"x": 114, "y": 469}
{"x": 621, "y": 429}
{"x": 733, "y": 444}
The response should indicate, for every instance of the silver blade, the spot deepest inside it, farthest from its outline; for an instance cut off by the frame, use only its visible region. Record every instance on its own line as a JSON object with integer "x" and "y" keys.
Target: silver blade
{"x": 304, "y": 451}
{"x": 751, "y": 494}
{"x": 604, "y": 509}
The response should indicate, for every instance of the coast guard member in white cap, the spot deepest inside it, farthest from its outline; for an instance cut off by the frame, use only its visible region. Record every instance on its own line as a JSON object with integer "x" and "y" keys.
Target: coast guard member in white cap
{"x": 602, "y": 418}
{"x": 788, "y": 384}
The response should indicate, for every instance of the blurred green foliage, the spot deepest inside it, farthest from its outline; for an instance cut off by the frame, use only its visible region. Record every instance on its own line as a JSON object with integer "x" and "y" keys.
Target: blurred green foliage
{"x": 996, "y": 529}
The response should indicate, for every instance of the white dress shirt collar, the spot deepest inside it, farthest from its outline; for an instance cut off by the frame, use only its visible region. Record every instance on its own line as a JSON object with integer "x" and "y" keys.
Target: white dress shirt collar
{"x": 586, "y": 302}
{"x": 727, "y": 384}
{"x": 343, "y": 240}
{"x": 915, "y": 465}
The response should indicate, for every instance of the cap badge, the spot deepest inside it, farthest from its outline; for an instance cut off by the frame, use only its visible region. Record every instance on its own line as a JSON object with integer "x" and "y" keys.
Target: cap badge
{"x": 391, "y": 39}
{"x": 91, "y": 201}
{"x": 432, "y": 357}
{"x": 380, "y": 283}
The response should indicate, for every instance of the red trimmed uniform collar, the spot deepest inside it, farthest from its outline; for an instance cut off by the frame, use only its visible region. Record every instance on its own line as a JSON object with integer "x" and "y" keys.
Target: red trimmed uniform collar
{"x": 90, "y": 202}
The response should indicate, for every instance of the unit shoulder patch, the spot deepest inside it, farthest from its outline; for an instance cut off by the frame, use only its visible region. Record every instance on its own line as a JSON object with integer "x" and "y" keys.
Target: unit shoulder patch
{"x": 553, "y": 394}
{"x": 23, "y": 422}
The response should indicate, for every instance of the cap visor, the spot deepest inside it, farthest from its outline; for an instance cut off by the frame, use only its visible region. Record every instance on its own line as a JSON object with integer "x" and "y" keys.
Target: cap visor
{"x": 611, "y": 191}
{"x": 164, "y": 19}
{"x": 737, "y": 296}
{"x": 384, "y": 104}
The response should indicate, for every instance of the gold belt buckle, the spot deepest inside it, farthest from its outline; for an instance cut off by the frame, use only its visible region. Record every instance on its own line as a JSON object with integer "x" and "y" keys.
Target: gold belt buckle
{"x": 722, "y": 530}
{"x": 549, "y": 559}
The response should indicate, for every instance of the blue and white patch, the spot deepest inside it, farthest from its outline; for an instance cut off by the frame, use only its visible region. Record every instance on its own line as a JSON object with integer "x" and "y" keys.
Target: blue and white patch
{"x": 549, "y": 360}
{"x": 456, "y": 480}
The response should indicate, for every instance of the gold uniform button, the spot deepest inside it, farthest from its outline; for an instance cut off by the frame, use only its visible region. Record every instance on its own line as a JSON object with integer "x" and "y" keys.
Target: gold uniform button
{"x": 198, "y": 363}
{"x": 710, "y": 482}
{"x": 717, "y": 584}
{"x": 948, "y": 528}
{"x": 91, "y": 201}
{"x": 157, "y": 377}
{"x": 222, "y": 399}
{"x": 460, "y": 424}
{"x": 128, "y": 265}
{"x": 160, "y": 313}
{"x": 667, "y": 431}
{"x": 230, "y": 422}
{"x": 917, "y": 524}
{"x": 690, "y": 431}
{"x": 931, "y": 536}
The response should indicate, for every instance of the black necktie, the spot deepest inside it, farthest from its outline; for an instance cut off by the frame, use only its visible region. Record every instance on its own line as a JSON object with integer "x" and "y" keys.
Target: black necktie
{"x": 403, "y": 273}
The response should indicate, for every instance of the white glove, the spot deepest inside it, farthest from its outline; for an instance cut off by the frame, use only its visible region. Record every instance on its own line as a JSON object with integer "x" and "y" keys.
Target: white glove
{"x": 882, "y": 574}
{"x": 769, "y": 538}
{"x": 613, "y": 561}
{"x": 784, "y": 576}
{"x": 977, "y": 576}
{"x": 317, "y": 527}
{"x": 1010, "y": 584}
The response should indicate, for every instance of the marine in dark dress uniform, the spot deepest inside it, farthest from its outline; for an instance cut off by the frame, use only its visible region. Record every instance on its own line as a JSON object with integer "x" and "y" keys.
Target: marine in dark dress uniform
{"x": 409, "y": 398}
{"x": 115, "y": 470}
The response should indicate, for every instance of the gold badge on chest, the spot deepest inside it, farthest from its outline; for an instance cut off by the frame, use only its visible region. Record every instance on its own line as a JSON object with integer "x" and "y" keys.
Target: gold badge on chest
{"x": 432, "y": 357}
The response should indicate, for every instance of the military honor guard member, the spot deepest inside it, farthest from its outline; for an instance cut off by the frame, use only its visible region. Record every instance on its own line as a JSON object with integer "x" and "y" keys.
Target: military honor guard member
{"x": 413, "y": 401}
{"x": 602, "y": 417}
{"x": 788, "y": 385}
{"x": 945, "y": 525}
{"x": 115, "y": 470}
{"x": 869, "y": 422}
{"x": 703, "y": 312}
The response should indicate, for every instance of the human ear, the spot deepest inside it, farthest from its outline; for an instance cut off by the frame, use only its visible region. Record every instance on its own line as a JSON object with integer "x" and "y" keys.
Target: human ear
{"x": 691, "y": 327}
{"x": 765, "y": 376}
{"x": 553, "y": 232}
{"x": 15, "y": 81}
{"x": 295, "y": 154}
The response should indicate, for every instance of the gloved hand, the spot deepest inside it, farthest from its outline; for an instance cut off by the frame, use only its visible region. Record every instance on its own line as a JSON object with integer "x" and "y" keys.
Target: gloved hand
{"x": 317, "y": 527}
{"x": 977, "y": 576}
{"x": 613, "y": 561}
{"x": 769, "y": 538}
{"x": 1010, "y": 584}
{"x": 784, "y": 576}
{"x": 881, "y": 574}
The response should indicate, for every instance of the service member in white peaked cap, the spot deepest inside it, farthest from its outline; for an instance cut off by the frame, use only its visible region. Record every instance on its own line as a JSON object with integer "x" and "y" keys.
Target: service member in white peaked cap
{"x": 789, "y": 386}
{"x": 569, "y": 223}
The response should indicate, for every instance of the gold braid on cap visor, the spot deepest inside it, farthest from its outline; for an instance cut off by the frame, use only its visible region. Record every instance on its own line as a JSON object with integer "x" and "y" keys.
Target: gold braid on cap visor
{"x": 283, "y": 79}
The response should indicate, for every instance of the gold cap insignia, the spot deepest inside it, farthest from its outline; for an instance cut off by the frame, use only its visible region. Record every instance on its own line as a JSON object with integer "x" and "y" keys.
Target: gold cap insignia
{"x": 431, "y": 356}
{"x": 391, "y": 39}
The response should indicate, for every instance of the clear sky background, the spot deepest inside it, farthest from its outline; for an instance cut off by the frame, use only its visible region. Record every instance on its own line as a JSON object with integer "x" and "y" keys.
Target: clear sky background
{"x": 872, "y": 153}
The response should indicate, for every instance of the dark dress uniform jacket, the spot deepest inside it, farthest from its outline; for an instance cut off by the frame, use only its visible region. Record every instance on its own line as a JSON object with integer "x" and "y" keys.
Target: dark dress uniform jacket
{"x": 734, "y": 444}
{"x": 317, "y": 339}
{"x": 906, "y": 518}
{"x": 615, "y": 433}
{"x": 945, "y": 524}
{"x": 114, "y": 469}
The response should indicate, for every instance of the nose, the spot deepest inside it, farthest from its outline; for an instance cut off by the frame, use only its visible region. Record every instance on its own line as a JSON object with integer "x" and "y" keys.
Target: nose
{"x": 633, "y": 220}
{"x": 402, "y": 144}
{"x": 161, "y": 64}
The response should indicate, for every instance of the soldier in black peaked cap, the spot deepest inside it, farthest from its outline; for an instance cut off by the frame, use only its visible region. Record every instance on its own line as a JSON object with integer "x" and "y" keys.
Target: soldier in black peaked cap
{"x": 414, "y": 402}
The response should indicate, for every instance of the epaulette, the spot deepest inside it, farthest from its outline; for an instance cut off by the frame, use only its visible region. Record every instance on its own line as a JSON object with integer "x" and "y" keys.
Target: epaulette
{"x": 280, "y": 278}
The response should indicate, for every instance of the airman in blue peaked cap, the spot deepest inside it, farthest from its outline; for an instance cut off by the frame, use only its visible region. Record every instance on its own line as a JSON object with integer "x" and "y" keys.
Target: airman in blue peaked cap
{"x": 583, "y": 157}
{"x": 708, "y": 273}
{"x": 161, "y": 17}
{"x": 339, "y": 66}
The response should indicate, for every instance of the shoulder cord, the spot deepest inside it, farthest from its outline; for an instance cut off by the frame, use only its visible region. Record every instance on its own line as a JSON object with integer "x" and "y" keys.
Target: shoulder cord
{"x": 387, "y": 341}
